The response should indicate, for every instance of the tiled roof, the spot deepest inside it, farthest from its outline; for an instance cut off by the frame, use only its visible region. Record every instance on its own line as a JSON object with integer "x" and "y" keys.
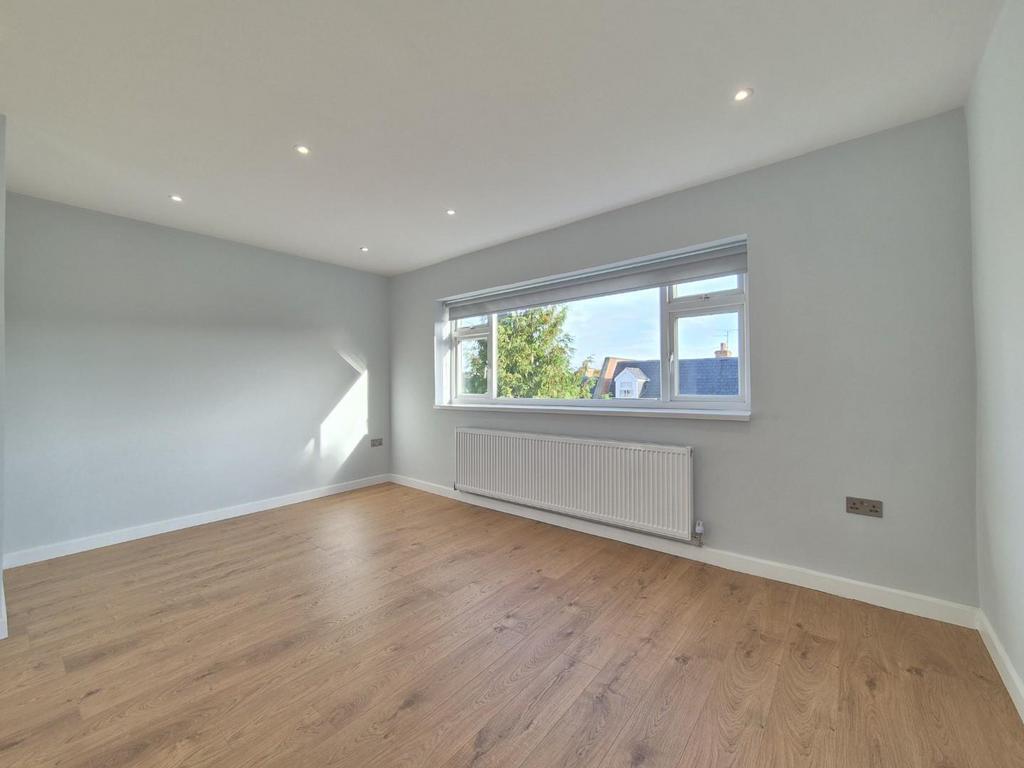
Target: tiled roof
{"x": 649, "y": 368}
{"x": 710, "y": 376}
{"x": 700, "y": 376}
{"x": 637, "y": 373}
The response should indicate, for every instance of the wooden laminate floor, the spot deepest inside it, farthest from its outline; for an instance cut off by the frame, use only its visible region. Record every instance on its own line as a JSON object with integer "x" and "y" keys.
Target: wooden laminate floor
{"x": 388, "y": 627}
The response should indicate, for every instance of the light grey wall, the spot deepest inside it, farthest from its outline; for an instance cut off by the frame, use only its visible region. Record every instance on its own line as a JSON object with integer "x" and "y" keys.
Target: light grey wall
{"x": 996, "y": 128}
{"x": 3, "y": 241}
{"x": 861, "y": 347}
{"x": 154, "y": 373}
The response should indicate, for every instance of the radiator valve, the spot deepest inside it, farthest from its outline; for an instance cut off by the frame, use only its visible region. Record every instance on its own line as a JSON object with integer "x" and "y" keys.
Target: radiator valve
{"x": 698, "y": 530}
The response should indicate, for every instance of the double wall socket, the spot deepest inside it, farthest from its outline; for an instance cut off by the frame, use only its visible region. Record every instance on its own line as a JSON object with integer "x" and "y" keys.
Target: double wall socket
{"x": 869, "y": 507}
{"x": 376, "y": 442}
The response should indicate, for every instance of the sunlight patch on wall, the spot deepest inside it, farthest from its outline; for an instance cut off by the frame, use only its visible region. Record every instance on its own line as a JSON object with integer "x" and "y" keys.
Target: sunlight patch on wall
{"x": 348, "y": 422}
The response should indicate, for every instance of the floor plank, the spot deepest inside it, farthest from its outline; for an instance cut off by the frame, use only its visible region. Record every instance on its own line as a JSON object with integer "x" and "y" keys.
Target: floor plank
{"x": 389, "y": 627}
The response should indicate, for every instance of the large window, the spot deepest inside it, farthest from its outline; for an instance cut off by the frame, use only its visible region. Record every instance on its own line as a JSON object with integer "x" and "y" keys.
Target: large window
{"x": 668, "y": 333}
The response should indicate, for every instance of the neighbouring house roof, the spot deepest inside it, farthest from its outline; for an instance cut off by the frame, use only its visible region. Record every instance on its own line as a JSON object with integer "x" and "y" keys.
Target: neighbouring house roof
{"x": 636, "y": 373}
{"x": 651, "y": 369}
{"x": 700, "y": 376}
{"x": 710, "y": 376}
{"x": 603, "y": 382}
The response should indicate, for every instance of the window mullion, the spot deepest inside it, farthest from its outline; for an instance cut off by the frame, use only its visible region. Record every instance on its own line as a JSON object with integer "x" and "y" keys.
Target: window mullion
{"x": 454, "y": 363}
{"x": 667, "y": 352}
{"x": 492, "y": 359}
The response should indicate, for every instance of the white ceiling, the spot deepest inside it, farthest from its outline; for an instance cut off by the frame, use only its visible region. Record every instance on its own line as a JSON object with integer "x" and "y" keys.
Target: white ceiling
{"x": 519, "y": 114}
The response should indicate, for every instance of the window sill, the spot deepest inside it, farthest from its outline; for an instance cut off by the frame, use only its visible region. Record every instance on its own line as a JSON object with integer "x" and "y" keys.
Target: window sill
{"x": 658, "y": 413}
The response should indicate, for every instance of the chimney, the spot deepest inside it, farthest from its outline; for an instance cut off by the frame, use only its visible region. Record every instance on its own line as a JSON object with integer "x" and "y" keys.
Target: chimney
{"x": 723, "y": 350}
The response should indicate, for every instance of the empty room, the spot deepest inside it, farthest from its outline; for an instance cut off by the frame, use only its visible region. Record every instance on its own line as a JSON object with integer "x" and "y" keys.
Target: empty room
{"x": 565, "y": 384}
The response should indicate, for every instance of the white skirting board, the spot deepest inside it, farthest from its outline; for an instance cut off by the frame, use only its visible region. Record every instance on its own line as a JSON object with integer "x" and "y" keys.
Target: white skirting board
{"x": 874, "y": 594}
{"x": 1011, "y": 676}
{"x": 886, "y": 597}
{"x": 3, "y": 609}
{"x": 72, "y": 546}
{"x": 900, "y": 600}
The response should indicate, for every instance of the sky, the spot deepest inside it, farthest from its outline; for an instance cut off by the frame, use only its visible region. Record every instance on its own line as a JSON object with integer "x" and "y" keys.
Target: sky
{"x": 627, "y": 325}
{"x": 621, "y": 325}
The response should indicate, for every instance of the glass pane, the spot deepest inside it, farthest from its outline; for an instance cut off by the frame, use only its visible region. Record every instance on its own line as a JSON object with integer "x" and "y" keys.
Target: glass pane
{"x": 710, "y": 285}
{"x": 471, "y": 322}
{"x": 600, "y": 348}
{"x": 707, "y": 348}
{"x": 473, "y": 367}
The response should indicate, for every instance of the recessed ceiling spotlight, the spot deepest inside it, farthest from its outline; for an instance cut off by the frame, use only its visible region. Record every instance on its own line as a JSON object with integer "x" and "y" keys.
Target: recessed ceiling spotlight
{"x": 450, "y": 211}
{"x": 176, "y": 198}
{"x": 743, "y": 94}
{"x": 302, "y": 149}
{"x": 364, "y": 249}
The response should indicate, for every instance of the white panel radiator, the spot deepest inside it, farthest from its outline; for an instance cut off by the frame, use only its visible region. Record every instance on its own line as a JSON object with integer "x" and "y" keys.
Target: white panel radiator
{"x": 630, "y": 485}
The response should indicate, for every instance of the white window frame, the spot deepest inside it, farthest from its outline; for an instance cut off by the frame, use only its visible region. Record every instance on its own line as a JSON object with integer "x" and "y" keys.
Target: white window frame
{"x": 716, "y": 303}
{"x": 670, "y": 403}
{"x": 486, "y": 331}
